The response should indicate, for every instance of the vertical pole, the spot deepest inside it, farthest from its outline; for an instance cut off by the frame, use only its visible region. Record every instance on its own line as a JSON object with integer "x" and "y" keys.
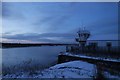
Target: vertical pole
{"x": 66, "y": 48}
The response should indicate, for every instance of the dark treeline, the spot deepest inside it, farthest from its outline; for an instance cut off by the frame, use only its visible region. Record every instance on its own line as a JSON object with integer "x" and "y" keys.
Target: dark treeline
{"x": 10, "y": 45}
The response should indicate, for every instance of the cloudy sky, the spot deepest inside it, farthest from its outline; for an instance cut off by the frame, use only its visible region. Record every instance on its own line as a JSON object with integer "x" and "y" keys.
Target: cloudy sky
{"x": 58, "y": 21}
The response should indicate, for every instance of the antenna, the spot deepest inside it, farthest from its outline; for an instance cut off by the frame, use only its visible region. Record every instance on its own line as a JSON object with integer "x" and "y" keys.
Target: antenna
{"x": 82, "y": 25}
{"x": 84, "y": 28}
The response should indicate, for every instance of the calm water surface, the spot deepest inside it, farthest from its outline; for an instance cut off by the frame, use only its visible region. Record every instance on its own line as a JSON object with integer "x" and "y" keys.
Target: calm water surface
{"x": 42, "y": 55}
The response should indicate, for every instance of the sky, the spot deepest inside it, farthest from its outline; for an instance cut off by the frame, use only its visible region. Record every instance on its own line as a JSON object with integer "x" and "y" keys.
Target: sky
{"x": 58, "y": 21}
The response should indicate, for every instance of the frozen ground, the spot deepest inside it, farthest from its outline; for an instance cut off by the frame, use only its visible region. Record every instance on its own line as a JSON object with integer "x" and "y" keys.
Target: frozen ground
{"x": 73, "y": 69}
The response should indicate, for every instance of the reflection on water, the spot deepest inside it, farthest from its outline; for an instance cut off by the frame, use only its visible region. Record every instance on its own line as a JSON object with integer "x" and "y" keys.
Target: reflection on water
{"x": 44, "y": 54}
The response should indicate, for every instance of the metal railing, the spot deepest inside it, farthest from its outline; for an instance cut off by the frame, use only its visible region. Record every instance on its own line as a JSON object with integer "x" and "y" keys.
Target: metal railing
{"x": 109, "y": 48}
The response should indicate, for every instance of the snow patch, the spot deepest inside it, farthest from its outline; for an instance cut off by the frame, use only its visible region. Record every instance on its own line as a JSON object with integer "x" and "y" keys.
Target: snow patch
{"x": 73, "y": 69}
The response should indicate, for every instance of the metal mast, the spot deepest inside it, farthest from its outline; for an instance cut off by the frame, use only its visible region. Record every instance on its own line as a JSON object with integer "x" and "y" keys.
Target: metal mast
{"x": 83, "y": 36}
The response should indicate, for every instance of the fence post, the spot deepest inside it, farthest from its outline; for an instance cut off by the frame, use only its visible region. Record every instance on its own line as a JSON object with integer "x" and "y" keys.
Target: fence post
{"x": 109, "y": 44}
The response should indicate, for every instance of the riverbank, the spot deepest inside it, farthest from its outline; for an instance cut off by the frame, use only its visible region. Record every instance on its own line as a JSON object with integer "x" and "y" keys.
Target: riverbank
{"x": 73, "y": 69}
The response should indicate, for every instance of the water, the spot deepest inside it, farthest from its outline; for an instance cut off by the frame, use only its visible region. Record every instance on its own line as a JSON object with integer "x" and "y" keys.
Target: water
{"x": 42, "y": 55}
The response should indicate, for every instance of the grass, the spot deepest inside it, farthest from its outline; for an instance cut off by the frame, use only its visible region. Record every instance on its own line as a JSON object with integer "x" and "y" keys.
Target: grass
{"x": 25, "y": 67}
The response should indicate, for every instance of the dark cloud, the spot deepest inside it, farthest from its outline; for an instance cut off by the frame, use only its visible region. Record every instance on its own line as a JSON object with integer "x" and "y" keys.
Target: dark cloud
{"x": 59, "y": 22}
{"x": 55, "y": 22}
{"x": 103, "y": 27}
{"x": 0, "y": 9}
{"x": 5, "y": 11}
{"x": 99, "y": 18}
{"x": 44, "y": 20}
{"x": 8, "y": 12}
{"x": 47, "y": 40}
{"x": 46, "y": 37}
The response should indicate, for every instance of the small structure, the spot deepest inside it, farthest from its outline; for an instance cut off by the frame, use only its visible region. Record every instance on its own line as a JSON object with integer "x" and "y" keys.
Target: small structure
{"x": 83, "y": 36}
{"x": 100, "y": 48}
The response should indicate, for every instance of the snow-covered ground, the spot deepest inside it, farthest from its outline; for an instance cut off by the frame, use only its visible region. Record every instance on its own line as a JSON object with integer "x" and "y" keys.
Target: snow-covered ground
{"x": 73, "y": 69}
{"x": 97, "y": 58}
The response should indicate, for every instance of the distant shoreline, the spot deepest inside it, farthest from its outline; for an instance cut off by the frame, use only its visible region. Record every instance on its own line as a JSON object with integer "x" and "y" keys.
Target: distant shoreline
{"x": 12, "y": 45}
